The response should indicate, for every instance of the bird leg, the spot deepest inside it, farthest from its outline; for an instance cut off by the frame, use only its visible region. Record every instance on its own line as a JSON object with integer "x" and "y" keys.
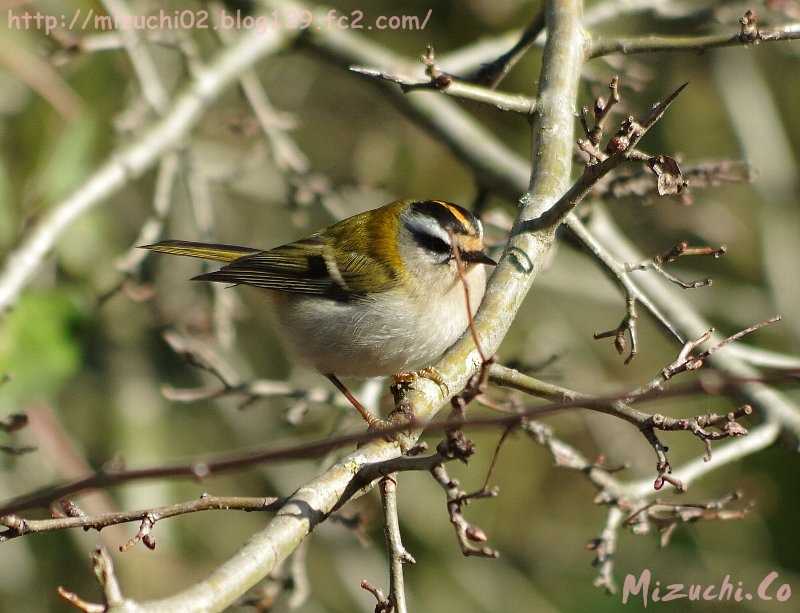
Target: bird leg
{"x": 373, "y": 422}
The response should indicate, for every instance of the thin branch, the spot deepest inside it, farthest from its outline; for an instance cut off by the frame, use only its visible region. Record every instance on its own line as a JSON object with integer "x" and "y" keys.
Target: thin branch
{"x": 617, "y": 272}
{"x": 451, "y": 86}
{"x": 471, "y": 58}
{"x": 398, "y": 556}
{"x": 287, "y": 155}
{"x": 18, "y": 526}
{"x": 204, "y": 358}
{"x": 153, "y": 227}
{"x": 146, "y": 72}
{"x": 605, "y": 547}
{"x": 104, "y": 572}
{"x": 681, "y": 249}
{"x": 748, "y": 34}
{"x": 758, "y": 439}
{"x": 466, "y": 533}
{"x": 626, "y": 326}
{"x": 382, "y": 603}
{"x": 686, "y": 320}
{"x": 666, "y": 517}
{"x": 621, "y": 407}
{"x": 157, "y": 97}
{"x": 491, "y": 73}
{"x": 566, "y": 456}
{"x": 686, "y": 360}
{"x": 638, "y": 183}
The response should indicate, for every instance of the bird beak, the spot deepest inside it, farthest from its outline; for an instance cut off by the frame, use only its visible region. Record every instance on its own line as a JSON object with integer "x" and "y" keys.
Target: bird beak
{"x": 477, "y": 257}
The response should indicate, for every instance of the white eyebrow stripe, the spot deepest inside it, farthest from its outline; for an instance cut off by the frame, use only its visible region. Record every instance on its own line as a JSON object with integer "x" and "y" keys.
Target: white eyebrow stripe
{"x": 426, "y": 225}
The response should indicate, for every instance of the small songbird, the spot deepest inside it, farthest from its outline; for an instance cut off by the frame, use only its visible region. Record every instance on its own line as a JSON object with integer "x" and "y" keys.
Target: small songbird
{"x": 375, "y": 294}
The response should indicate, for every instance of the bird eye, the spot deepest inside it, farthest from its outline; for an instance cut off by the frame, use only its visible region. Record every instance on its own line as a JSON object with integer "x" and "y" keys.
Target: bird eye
{"x": 432, "y": 243}
{"x": 428, "y": 235}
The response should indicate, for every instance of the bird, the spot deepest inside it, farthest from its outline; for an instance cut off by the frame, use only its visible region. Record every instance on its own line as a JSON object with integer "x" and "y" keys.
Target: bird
{"x": 379, "y": 293}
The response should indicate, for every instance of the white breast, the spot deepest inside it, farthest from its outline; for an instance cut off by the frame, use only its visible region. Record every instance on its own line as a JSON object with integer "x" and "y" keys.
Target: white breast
{"x": 395, "y": 331}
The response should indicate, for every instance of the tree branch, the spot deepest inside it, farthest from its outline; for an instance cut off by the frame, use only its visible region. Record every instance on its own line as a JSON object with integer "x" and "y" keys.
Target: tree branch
{"x": 394, "y": 544}
{"x": 553, "y": 129}
{"x": 749, "y": 34}
{"x": 18, "y": 526}
{"x": 451, "y": 86}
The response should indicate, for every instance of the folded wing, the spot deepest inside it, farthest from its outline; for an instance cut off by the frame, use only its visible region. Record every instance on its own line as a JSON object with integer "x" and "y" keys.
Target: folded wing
{"x": 309, "y": 266}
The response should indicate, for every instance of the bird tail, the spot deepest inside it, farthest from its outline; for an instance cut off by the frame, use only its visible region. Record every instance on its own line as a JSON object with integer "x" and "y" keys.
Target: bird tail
{"x": 205, "y": 251}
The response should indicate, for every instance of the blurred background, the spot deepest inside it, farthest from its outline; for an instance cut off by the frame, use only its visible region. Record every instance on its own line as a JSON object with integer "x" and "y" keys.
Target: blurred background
{"x": 88, "y": 363}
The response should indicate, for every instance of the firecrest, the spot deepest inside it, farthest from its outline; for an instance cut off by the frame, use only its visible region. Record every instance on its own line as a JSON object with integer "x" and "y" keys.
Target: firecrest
{"x": 375, "y": 294}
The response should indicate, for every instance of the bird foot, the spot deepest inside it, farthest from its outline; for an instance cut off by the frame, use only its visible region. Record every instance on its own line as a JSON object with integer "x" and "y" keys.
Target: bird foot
{"x": 429, "y": 372}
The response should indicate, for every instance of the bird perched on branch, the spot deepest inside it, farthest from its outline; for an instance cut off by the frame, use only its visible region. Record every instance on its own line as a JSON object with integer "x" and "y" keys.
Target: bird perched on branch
{"x": 379, "y": 293}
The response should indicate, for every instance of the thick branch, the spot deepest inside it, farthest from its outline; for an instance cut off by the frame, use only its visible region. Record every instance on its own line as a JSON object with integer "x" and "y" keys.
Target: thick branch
{"x": 524, "y": 256}
{"x": 499, "y": 168}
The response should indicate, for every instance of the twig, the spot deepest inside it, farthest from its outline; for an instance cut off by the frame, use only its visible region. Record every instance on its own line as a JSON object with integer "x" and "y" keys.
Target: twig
{"x": 466, "y": 533}
{"x": 471, "y": 58}
{"x": 153, "y": 227}
{"x": 681, "y": 249}
{"x": 451, "y": 86}
{"x": 287, "y": 155}
{"x": 627, "y": 325}
{"x": 157, "y": 97}
{"x": 491, "y": 73}
{"x": 383, "y": 604}
{"x": 394, "y": 544}
{"x": 566, "y": 456}
{"x": 620, "y": 407}
{"x": 18, "y": 526}
{"x": 619, "y": 275}
{"x": 144, "y": 66}
{"x": 620, "y": 148}
{"x": 665, "y": 517}
{"x": 605, "y": 547}
{"x": 748, "y": 34}
{"x": 104, "y": 572}
{"x": 202, "y": 357}
{"x": 638, "y": 183}
{"x": 687, "y": 361}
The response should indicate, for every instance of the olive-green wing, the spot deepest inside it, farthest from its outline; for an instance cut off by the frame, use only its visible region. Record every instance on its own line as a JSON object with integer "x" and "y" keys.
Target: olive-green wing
{"x": 309, "y": 266}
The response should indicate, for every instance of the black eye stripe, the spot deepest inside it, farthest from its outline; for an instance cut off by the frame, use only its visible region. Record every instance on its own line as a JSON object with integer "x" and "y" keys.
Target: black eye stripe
{"x": 445, "y": 216}
{"x": 429, "y": 241}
